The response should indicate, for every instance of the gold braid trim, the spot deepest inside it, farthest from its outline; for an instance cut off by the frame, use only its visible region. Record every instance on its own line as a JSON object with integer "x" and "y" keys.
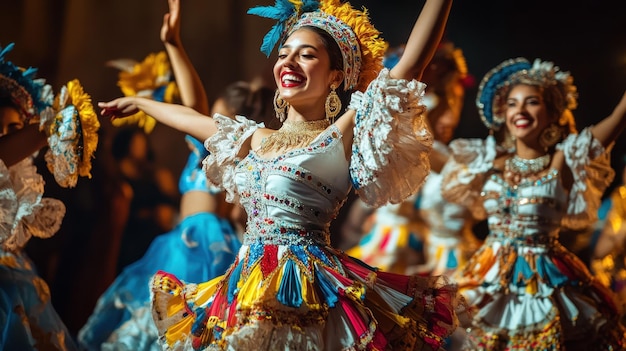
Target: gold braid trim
{"x": 293, "y": 134}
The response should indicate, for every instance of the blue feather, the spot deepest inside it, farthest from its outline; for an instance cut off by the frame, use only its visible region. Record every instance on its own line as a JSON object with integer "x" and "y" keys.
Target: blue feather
{"x": 281, "y": 11}
{"x": 6, "y": 50}
{"x": 310, "y": 5}
{"x": 265, "y": 11}
{"x": 30, "y": 72}
{"x": 25, "y": 78}
{"x": 271, "y": 38}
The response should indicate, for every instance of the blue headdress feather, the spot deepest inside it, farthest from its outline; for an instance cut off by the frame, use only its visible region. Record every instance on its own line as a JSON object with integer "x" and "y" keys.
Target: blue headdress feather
{"x": 282, "y": 11}
{"x": 39, "y": 92}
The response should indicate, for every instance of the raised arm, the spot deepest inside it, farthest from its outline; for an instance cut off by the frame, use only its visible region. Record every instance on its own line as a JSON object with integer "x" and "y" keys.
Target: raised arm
{"x": 182, "y": 118}
{"x": 423, "y": 41}
{"x": 611, "y": 127}
{"x": 191, "y": 89}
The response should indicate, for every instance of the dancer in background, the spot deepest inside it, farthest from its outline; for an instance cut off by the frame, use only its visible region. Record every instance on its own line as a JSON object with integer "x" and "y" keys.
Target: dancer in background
{"x": 527, "y": 290}
{"x": 201, "y": 246}
{"x": 424, "y": 234}
{"x": 609, "y": 256}
{"x": 288, "y": 289}
{"x": 153, "y": 195}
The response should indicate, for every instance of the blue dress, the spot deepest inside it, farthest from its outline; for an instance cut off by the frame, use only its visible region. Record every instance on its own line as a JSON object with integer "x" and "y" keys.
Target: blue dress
{"x": 200, "y": 247}
{"x": 28, "y": 320}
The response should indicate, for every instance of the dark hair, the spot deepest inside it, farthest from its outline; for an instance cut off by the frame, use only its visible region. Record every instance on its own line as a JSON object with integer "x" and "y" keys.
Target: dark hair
{"x": 254, "y": 103}
{"x": 261, "y": 102}
{"x": 236, "y": 96}
{"x": 6, "y": 101}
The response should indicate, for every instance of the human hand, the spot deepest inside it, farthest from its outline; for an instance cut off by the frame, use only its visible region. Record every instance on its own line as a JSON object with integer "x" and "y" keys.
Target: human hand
{"x": 118, "y": 108}
{"x": 170, "y": 30}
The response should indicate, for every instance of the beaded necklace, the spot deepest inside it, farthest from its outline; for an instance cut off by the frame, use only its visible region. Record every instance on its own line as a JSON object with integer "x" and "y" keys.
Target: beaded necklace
{"x": 526, "y": 167}
{"x": 293, "y": 134}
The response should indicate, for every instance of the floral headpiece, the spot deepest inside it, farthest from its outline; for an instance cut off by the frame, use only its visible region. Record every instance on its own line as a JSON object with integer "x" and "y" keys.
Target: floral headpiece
{"x": 72, "y": 135}
{"x": 31, "y": 94}
{"x": 151, "y": 78}
{"x": 360, "y": 43}
{"x": 496, "y": 84}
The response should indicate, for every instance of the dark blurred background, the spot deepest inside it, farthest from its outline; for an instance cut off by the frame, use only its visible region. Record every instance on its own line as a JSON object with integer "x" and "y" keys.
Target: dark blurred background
{"x": 69, "y": 39}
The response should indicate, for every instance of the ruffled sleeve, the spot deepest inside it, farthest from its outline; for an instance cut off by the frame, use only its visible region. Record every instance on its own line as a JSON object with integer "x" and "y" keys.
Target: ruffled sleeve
{"x": 591, "y": 170}
{"x": 391, "y": 141}
{"x": 223, "y": 147}
{"x": 464, "y": 173}
{"x": 23, "y": 210}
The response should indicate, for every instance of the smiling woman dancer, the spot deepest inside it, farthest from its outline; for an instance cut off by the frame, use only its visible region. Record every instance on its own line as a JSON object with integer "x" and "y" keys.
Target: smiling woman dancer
{"x": 288, "y": 289}
{"x": 528, "y": 291}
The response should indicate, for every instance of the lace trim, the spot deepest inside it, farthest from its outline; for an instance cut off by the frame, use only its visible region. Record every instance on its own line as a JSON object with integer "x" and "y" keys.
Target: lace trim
{"x": 391, "y": 141}
{"x": 464, "y": 174}
{"x": 589, "y": 162}
{"x": 223, "y": 147}
{"x": 24, "y": 213}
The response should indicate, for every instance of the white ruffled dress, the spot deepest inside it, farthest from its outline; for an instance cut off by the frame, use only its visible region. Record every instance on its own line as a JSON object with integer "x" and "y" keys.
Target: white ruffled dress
{"x": 532, "y": 293}
{"x": 288, "y": 289}
{"x": 28, "y": 320}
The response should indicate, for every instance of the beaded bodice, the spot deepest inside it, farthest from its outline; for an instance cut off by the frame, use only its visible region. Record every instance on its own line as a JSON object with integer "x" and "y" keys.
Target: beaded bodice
{"x": 529, "y": 213}
{"x": 291, "y": 199}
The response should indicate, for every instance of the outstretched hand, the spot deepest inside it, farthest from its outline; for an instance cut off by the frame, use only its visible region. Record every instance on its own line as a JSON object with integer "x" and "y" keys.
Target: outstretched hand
{"x": 118, "y": 108}
{"x": 170, "y": 30}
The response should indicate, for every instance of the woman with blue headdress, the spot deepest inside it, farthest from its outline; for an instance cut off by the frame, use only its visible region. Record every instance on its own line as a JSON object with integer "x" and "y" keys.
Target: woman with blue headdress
{"x": 31, "y": 118}
{"x": 534, "y": 176}
{"x": 288, "y": 289}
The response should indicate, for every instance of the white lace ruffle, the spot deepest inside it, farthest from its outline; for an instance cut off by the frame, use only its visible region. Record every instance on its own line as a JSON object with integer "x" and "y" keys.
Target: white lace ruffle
{"x": 391, "y": 140}
{"x": 23, "y": 210}
{"x": 223, "y": 147}
{"x": 591, "y": 169}
{"x": 464, "y": 173}
{"x": 63, "y": 155}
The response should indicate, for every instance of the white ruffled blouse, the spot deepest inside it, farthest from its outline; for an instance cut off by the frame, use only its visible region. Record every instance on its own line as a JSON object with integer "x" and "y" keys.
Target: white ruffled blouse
{"x": 24, "y": 212}
{"x": 466, "y": 174}
{"x": 389, "y": 159}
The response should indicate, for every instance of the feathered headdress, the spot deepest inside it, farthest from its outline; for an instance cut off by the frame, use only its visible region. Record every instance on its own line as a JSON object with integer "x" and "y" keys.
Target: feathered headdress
{"x": 72, "y": 135}
{"x": 360, "y": 43}
{"x": 151, "y": 78}
{"x": 495, "y": 86}
{"x": 32, "y": 95}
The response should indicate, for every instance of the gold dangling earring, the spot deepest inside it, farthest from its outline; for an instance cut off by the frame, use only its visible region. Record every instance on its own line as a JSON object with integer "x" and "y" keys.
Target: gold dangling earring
{"x": 280, "y": 106}
{"x": 550, "y": 136}
{"x": 333, "y": 104}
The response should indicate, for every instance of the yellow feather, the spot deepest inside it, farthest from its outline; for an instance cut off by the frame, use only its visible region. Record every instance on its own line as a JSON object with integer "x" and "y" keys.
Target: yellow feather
{"x": 373, "y": 46}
